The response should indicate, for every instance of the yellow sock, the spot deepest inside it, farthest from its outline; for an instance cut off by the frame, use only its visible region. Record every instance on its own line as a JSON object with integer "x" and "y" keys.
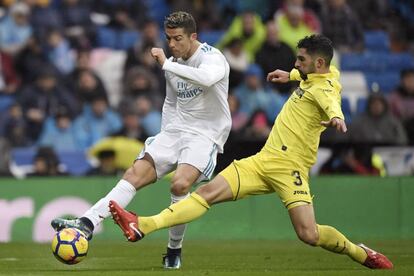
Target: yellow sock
{"x": 181, "y": 212}
{"x": 332, "y": 240}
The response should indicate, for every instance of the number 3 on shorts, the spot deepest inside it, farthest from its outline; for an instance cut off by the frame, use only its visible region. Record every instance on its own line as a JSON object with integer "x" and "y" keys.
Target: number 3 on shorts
{"x": 298, "y": 180}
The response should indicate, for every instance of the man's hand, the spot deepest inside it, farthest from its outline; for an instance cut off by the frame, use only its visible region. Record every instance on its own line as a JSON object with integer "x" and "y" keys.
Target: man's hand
{"x": 279, "y": 76}
{"x": 159, "y": 55}
{"x": 338, "y": 123}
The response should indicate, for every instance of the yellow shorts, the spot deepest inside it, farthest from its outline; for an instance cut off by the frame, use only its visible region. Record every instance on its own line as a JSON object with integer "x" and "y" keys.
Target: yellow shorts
{"x": 265, "y": 173}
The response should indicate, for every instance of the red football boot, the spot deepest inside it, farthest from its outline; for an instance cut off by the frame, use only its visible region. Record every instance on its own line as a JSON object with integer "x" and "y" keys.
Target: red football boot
{"x": 376, "y": 260}
{"x": 127, "y": 221}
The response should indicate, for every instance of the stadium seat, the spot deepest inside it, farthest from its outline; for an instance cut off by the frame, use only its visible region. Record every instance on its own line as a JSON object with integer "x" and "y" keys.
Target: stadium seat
{"x": 361, "y": 105}
{"x": 158, "y": 9}
{"x": 354, "y": 86}
{"x": 210, "y": 37}
{"x": 106, "y": 38}
{"x": 346, "y": 109}
{"x": 400, "y": 61}
{"x": 5, "y": 102}
{"x": 375, "y": 61}
{"x": 127, "y": 39}
{"x": 377, "y": 41}
{"x": 384, "y": 82}
{"x": 352, "y": 62}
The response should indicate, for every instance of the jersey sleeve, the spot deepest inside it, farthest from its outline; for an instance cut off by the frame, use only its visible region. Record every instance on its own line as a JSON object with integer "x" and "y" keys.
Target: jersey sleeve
{"x": 330, "y": 102}
{"x": 294, "y": 75}
{"x": 211, "y": 70}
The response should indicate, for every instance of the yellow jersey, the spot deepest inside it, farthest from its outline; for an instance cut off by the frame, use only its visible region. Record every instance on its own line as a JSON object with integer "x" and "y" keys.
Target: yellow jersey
{"x": 297, "y": 128}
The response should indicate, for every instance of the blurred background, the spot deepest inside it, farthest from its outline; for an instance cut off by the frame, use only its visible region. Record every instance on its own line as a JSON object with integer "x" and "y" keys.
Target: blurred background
{"x": 80, "y": 92}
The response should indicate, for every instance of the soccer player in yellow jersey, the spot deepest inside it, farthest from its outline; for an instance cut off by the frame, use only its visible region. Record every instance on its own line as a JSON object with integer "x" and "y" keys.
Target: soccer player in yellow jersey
{"x": 282, "y": 166}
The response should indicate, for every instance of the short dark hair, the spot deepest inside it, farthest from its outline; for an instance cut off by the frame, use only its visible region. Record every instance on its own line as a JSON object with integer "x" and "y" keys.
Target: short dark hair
{"x": 317, "y": 44}
{"x": 406, "y": 72}
{"x": 181, "y": 19}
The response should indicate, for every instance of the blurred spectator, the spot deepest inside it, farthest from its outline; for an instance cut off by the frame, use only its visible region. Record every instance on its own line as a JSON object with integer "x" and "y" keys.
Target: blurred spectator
{"x": 373, "y": 12}
{"x": 276, "y": 54}
{"x": 122, "y": 14}
{"x": 9, "y": 80}
{"x": 126, "y": 150}
{"x": 402, "y": 102}
{"x": 150, "y": 117}
{"x": 46, "y": 163}
{"x": 59, "y": 53}
{"x": 295, "y": 22}
{"x": 107, "y": 165}
{"x": 356, "y": 160}
{"x": 82, "y": 64}
{"x": 5, "y": 158}
{"x": 44, "y": 98}
{"x": 377, "y": 126}
{"x": 139, "y": 82}
{"x": 88, "y": 87}
{"x": 258, "y": 127}
{"x": 132, "y": 127}
{"x": 15, "y": 29}
{"x": 250, "y": 29}
{"x": 58, "y": 132}
{"x": 77, "y": 24}
{"x": 342, "y": 26}
{"x": 96, "y": 122}
{"x": 30, "y": 60}
{"x": 402, "y": 99}
{"x": 140, "y": 53}
{"x": 145, "y": 60}
{"x": 150, "y": 37}
{"x": 238, "y": 118}
{"x": 205, "y": 12}
{"x": 238, "y": 60}
{"x": 44, "y": 18}
{"x": 254, "y": 97}
{"x": 15, "y": 127}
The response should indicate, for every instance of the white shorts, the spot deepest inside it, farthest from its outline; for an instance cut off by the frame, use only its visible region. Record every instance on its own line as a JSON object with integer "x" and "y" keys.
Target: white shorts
{"x": 168, "y": 149}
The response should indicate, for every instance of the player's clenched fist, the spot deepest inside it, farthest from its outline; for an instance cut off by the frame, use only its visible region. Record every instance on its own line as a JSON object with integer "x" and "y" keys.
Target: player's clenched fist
{"x": 159, "y": 55}
{"x": 278, "y": 76}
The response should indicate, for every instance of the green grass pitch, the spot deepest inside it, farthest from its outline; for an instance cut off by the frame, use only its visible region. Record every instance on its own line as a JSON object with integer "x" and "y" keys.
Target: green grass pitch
{"x": 227, "y": 257}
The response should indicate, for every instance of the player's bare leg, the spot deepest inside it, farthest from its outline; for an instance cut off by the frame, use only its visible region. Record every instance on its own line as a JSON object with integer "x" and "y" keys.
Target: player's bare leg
{"x": 327, "y": 237}
{"x": 139, "y": 175}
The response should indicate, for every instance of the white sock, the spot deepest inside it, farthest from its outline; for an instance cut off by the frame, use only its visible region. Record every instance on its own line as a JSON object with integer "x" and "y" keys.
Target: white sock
{"x": 176, "y": 233}
{"x": 122, "y": 193}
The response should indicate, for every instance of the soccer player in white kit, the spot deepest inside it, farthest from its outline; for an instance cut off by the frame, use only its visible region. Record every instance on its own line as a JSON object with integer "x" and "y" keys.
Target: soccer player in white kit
{"x": 196, "y": 122}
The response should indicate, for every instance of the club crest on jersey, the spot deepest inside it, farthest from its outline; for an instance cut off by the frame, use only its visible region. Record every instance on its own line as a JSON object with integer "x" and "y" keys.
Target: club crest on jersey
{"x": 299, "y": 91}
{"x": 186, "y": 90}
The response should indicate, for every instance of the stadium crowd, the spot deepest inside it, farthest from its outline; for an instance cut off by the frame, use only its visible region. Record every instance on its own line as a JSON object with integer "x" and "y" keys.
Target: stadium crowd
{"x": 56, "y": 90}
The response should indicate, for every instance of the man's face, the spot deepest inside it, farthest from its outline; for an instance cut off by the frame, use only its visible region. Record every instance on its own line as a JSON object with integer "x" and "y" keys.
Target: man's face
{"x": 377, "y": 108}
{"x": 248, "y": 23}
{"x": 408, "y": 83}
{"x": 179, "y": 42}
{"x": 304, "y": 62}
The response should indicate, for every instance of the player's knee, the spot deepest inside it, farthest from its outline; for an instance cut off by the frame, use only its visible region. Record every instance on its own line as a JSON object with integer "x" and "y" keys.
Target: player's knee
{"x": 206, "y": 192}
{"x": 308, "y": 236}
{"x": 132, "y": 177}
{"x": 180, "y": 186}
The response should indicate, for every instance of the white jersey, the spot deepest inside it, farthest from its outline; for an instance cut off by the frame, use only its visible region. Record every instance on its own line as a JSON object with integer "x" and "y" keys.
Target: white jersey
{"x": 196, "y": 97}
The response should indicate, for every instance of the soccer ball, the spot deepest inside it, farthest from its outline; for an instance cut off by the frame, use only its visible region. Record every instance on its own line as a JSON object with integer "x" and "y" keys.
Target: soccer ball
{"x": 70, "y": 246}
